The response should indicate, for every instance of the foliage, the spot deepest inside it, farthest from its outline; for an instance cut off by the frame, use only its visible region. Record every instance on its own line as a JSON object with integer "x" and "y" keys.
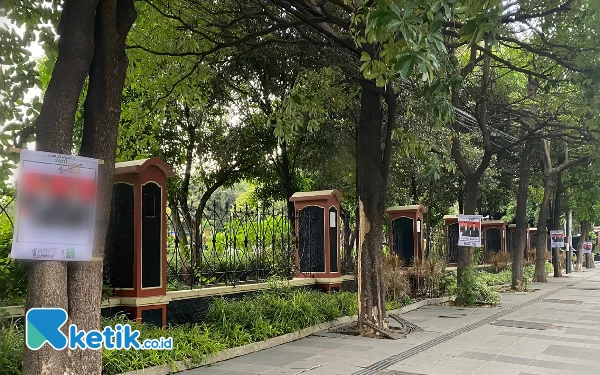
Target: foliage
{"x": 432, "y": 272}
{"x": 500, "y": 261}
{"x": 229, "y": 323}
{"x": 473, "y": 290}
{"x": 11, "y": 347}
{"x": 395, "y": 278}
{"x": 13, "y": 274}
{"x": 478, "y": 255}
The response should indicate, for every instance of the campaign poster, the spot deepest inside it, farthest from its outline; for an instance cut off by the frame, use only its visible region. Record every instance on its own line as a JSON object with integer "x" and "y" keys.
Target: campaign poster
{"x": 55, "y": 207}
{"x": 557, "y": 238}
{"x": 469, "y": 230}
{"x": 587, "y": 247}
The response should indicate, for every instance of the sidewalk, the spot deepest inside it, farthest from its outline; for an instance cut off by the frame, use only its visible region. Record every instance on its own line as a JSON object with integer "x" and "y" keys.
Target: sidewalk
{"x": 552, "y": 331}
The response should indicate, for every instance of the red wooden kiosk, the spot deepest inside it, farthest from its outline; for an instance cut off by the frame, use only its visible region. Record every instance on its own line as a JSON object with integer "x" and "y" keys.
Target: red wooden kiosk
{"x": 318, "y": 231}
{"x": 493, "y": 237}
{"x": 138, "y": 236}
{"x": 406, "y": 232}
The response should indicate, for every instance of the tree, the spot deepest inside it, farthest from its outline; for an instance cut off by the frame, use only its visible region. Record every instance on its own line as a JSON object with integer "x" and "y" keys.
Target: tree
{"x": 91, "y": 46}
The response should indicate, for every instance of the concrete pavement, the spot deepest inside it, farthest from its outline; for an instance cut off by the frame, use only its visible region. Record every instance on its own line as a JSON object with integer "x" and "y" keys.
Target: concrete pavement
{"x": 554, "y": 330}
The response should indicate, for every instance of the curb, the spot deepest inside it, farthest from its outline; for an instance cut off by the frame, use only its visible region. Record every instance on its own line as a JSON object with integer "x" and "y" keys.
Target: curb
{"x": 272, "y": 342}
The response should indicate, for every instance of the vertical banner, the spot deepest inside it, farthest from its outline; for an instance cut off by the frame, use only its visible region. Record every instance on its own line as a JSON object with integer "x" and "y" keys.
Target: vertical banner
{"x": 55, "y": 208}
{"x": 557, "y": 238}
{"x": 469, "y": 230}
{"x": 587, "y": 247}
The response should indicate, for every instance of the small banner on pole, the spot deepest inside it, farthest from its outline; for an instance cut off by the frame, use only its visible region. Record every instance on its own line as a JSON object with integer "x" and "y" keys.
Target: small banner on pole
{"x": 55, "y": 208}
{"x": 469, "y": 230}
{"x": 587, "y": 247}
{"x": 557, "y": 238}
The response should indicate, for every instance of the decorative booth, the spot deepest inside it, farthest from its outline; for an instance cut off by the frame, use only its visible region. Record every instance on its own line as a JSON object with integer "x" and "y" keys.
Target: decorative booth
{"x": 138, "y": 236}
{"x": 451, "y": 230}
{"x": 318, "y": 232}
{"x": 493, "y": 237}
{"x": 511, "y": 238}
{"x": 406, "y": 232}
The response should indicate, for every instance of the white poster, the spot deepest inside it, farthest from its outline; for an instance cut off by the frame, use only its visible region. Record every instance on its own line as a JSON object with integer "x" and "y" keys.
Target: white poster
{"x": 557, "y": 238}
{"x": 55, "y": 209}
{"x": 469, "y": 233}
{"x": 587, "y": 247}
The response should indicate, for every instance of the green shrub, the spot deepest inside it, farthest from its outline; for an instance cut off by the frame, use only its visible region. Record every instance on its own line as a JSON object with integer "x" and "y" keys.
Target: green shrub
{"x": 500, "y": 261}
{"x": 13, "y": 275}
{"x": 11, "y": 348}
{"x": 474, "y": 290}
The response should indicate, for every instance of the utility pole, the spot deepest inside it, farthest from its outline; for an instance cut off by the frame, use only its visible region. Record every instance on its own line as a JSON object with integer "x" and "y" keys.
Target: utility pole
{"x": 569, "y": 265}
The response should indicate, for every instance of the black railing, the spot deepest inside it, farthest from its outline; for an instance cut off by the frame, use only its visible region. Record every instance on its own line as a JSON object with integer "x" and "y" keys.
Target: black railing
{"x": 229, "y": 245}
{"x": 13, "y": 274}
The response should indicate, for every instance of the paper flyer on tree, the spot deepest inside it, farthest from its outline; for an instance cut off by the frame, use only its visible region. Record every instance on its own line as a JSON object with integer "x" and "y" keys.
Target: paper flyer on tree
{"x": 557, "y": 238}
{"x": 587, "y": 247}
{"x": 469, "y": 230}
{"x": 55, "y": 208}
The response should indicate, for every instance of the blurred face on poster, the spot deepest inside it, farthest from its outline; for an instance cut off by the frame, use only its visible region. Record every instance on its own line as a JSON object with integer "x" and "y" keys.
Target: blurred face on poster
{"x": 55, "y": 201}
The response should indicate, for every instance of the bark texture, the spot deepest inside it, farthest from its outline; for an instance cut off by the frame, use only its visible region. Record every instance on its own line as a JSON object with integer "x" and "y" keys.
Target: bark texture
{"x": 54, "y": 127}
{"x": 540, "y": 237}
{"x": 585, "y": 235}
{"x": 521, "y": 217}
{"x": 102, "y": 108}
{"x": 371, "y": 198}
{"x": 556, "y": 223}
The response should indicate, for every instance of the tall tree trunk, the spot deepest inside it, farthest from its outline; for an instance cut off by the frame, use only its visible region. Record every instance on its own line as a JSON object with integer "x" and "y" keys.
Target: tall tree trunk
{"x": 287, "y": 179}
{"x": 540, "y": 237}
{"x": 102, "y": 107}
{"x": 585, "y": 233}
{"x": 54, "y": 127}
{"x": 556, "y": 222}
{"x": 349, "y": 238}
{"x": 371, "y": 198}
{"x": 465, "y": 253}
{"x": 520, "y": 244}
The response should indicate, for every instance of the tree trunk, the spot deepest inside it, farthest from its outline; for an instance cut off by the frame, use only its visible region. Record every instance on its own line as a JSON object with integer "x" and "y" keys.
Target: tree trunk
{"x": 371, "y": 198}
{"x": 465, "y": 253}
{"x": 556, "y": 222}
{"x": 520, "y": 244}
{"x": 348, "y": 240}
{"x": 540, "y": 237}
{"x": 102, "y": 107}
{"x": 585, "y": 233}
{"x": 589, "y": 261}
{"x": 54, "y": 127}
{"x": 288, "y": 180}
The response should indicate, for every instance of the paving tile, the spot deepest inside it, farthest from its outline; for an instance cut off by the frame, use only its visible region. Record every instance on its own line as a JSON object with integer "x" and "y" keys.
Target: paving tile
{"x": 512, "y": 359}
{"x": 494, "y": 368}
{"x": 477, "y": 355}
{"x": 550, "y": 364}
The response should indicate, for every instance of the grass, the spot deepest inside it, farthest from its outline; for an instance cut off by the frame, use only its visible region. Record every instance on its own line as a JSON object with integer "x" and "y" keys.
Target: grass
{"x": 229, "y": 323}
{"x": 232, "y": 323}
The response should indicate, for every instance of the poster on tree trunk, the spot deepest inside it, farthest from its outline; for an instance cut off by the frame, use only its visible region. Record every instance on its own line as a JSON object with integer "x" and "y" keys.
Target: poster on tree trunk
{"x": 587, "y": 247}
{"x": 557, "y": 238}
{"x": 55, "y": 207}
{"x": 469, "y": 230}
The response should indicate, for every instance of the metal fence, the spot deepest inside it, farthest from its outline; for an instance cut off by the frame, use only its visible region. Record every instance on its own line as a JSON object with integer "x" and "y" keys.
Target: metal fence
{"x": 231, "y": 245}
{"x": 228, "y": 245}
